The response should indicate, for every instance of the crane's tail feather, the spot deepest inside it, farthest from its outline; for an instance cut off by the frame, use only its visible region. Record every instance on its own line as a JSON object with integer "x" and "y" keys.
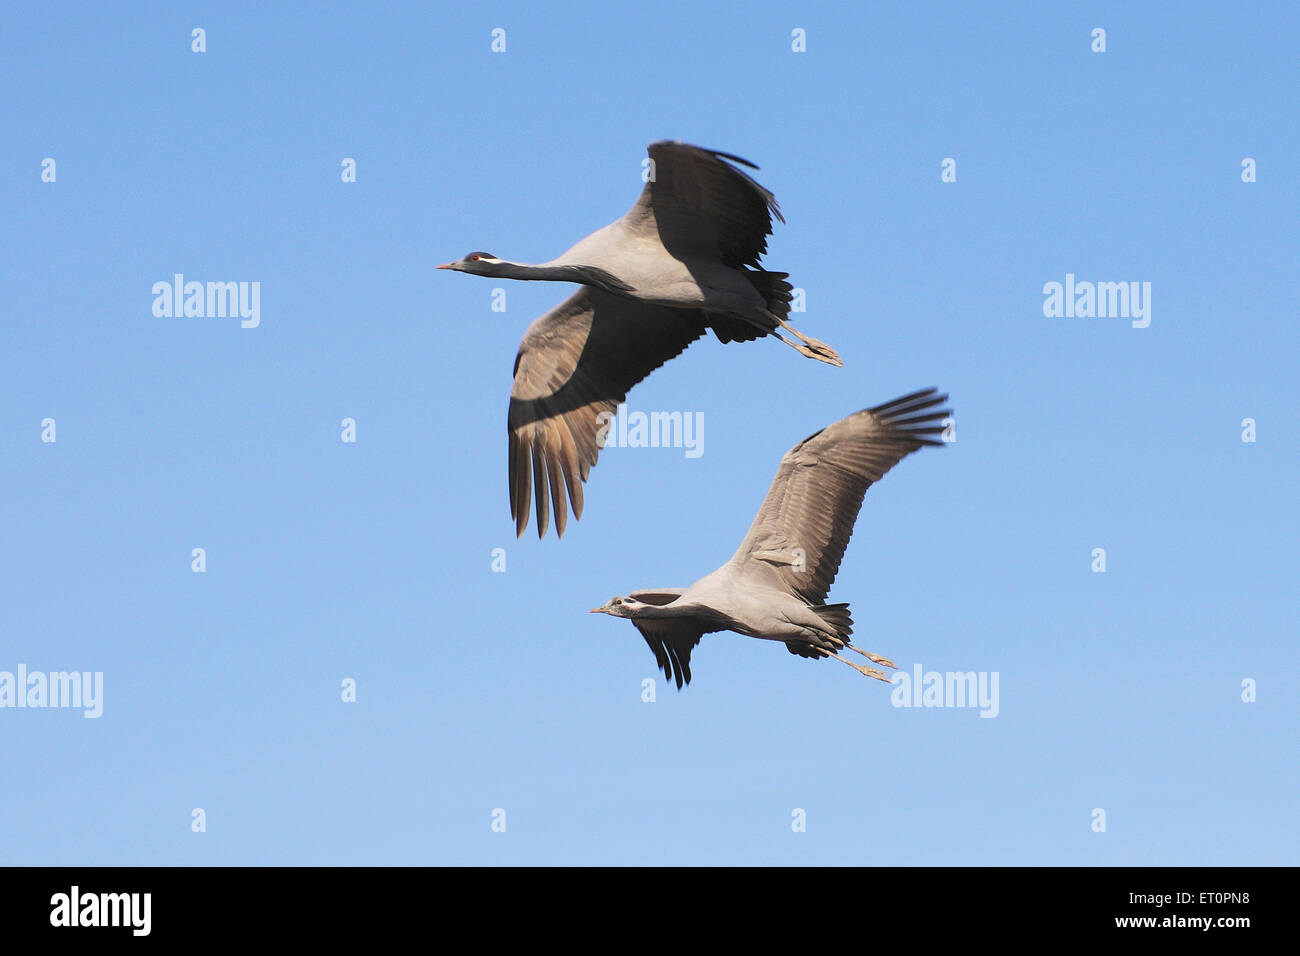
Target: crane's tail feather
{"x": 776, "y": 293}
{"x": 837, "y": 616}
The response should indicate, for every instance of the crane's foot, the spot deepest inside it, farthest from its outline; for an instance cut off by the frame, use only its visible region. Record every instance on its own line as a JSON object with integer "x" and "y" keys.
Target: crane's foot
{"x": 860, "y": 668}
{"x": 874, "y": 658}
{"x": 817, "y": 350}
{"x": 813, "y": 348}
{"x": 821, "y": 352}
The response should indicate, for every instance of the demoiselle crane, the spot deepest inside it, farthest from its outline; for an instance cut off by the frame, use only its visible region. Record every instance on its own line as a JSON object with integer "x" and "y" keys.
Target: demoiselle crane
{"x": 692, "y": 241}
{"x": 775, "y": 585}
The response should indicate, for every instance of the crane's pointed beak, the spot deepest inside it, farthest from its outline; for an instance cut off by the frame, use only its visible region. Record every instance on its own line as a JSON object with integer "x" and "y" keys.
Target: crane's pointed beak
{"x": 447, "y": 265}
{"x": 597, "y": 610}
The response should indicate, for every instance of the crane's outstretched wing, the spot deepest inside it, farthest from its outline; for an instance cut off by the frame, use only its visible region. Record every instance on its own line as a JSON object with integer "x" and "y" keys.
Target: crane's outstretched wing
{"x": 576, "y": 362}
{"x": 703, "y": 206}
{"x": 798, "y": 537}
{"x": 671, "y": 639}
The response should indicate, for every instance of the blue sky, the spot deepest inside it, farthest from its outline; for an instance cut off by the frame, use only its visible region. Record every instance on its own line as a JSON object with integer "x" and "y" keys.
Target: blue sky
{"x": 1120, "y": 691}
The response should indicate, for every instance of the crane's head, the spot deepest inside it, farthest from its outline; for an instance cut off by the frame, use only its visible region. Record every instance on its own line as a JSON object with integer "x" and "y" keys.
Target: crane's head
{"x": 619, "y": 607}
{"x": 480, "y": 263}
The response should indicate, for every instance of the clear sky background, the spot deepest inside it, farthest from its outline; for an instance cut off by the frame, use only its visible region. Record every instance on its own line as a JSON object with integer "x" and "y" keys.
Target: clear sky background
{"x": 373, "y": 561}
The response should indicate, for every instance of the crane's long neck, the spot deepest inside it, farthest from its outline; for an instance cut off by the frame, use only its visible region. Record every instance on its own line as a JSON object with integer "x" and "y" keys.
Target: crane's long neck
{"x": 570, "y": 272}
{"x": 523, "y": 270}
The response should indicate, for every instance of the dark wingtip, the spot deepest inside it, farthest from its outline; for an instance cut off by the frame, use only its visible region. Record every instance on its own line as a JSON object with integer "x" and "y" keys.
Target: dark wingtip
{"x": 730, "y": 157}
{"x": 715, "y": 153}
{"x": 914, "y": 415}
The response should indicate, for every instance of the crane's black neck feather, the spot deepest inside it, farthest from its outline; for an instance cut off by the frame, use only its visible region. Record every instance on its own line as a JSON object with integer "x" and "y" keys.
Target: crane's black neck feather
{"x": 590, "y": 275}
{"x": 583, "y": 275}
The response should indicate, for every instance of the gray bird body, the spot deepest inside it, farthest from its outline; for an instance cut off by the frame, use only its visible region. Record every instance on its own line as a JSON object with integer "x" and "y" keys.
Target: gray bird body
{"x": 726, "y": 597}
{"x": 632, "y": 250}
{"x": 775, "y": 585}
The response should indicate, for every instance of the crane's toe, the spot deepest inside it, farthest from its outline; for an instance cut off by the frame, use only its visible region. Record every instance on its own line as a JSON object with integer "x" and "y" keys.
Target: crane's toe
{"x": 820, "y": 351}
{"x": 874, "y": 658}
{"x": 872, "y": 672}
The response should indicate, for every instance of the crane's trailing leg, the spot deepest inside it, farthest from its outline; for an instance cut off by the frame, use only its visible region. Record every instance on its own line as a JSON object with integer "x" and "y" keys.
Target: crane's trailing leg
{"x": 875, "y": 658}
{"x": 860, "y": 668}
{"x": 827, "y": 354}
{"x": 814, "y": 348}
